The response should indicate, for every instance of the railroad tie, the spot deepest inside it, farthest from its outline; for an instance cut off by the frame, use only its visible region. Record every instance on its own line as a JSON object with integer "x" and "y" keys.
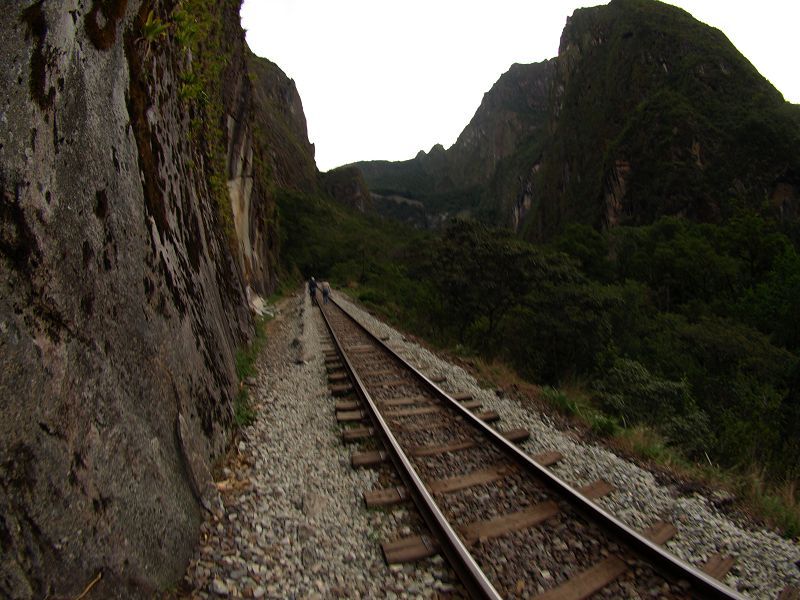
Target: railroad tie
{"x": 347, "y": 416}
{"x": 357, "y": 433}
{"x": 596, "y": 489}
{"x": 390, "y": 383}
{"x": 385, "y": 496}
{"x": 346, "y": 405}
{"x": 409, "y": 549}
{"x": 516, "y": 521}
{"x": 341, "y": 389}
{"x": 481, "y": 476}
{"x": 587, "y": 582}
{"x": 438, "y": 379}
{"x": 515, "y": 435}
{"x": 789, "y": 593}
{"x": 389, "y": 496}
{"x": 660, "y": 532}
{"x": 471, "y": 404}
{"x": 417, "y": 547}
{"x": 368, "y": 459}
{"x": 413, "y": 412}
{"x": 337, "y": 377}
{"x": 403, "y": 401}
{"x": 718, "y": 565}
{"x": 488, "y": 416}
{"x": 461, "y": 396}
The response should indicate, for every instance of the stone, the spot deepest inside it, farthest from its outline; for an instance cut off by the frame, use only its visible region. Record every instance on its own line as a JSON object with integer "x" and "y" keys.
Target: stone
{"x": 218, "y": 587}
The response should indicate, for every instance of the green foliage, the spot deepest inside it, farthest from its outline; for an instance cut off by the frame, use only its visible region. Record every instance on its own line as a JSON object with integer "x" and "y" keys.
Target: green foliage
{"x": 246, "y": 357}
{"x": 153, "y": 28}
{"x": 636, "y": 397}
{"x": 559, "y": 400}
{"x": 196, "y": 28}
{"x": 603, "y": 426}
{"x": 243, "y": 413}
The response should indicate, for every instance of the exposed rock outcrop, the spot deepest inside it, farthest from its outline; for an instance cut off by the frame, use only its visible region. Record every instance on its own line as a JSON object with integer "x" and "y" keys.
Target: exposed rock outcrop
{"x": 346, "y": 185}
{"x": 455, "y": 181}
{"x": 131, "y": 226}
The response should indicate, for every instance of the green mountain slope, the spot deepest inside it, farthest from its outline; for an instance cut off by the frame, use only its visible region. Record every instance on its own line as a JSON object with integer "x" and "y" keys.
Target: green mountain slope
{"x": 645, "y": 112}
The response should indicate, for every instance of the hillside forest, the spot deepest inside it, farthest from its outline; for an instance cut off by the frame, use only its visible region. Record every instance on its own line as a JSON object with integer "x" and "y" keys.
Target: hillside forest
{"x": 681, "y": 332}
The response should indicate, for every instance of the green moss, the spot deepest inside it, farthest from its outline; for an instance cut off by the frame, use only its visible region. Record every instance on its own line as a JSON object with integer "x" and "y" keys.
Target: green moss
{"x": 196, "y": 26}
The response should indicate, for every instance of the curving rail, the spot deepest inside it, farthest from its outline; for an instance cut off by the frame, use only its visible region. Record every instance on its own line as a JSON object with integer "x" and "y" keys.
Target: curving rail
{"x": 475, "y": 581}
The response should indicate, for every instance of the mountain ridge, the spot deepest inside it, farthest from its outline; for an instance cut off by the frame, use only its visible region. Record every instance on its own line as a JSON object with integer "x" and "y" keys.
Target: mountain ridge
{"x": 646, "y": 112}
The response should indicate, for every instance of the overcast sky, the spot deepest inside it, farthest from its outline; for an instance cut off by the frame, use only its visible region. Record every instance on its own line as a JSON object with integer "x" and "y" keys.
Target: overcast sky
{"x": 382, "y": 80}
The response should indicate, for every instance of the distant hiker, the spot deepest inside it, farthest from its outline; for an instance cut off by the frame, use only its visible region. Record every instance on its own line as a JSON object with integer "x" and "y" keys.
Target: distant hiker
{"x": 326, "y": 291}
{"x": 312, "y": 288}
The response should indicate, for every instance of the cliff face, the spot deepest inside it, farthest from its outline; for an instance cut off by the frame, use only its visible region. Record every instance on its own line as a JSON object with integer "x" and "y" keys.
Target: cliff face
{"x": 283, "y": 136}
{"x": 452, "y": 181}
{"x": 645, "y": 112}
{"x": 131, "y": 229}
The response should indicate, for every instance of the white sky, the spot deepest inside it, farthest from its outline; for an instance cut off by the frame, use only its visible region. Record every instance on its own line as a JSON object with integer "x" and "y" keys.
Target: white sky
{"x": 383, "y": 80}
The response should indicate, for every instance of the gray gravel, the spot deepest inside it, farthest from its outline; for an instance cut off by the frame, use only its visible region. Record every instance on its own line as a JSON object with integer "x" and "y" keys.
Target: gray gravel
{"x": 765, "y": 561}
{"x": 292, "y": 522}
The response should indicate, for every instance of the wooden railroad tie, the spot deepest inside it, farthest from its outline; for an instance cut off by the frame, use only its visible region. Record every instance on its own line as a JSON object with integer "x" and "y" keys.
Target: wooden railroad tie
{"x": 368, "y": 459}
{"x": 360, "y": 349}
{"x": 660, "y": 532}
{"x": 349, "y": 416}
{"x": 337, "y": 377}
{"x": 404, "y": 401}
{"x": 356, "y": 434}
{"x": 515, "y": 435}
{"x": 488, "y": 416}
{"x": 381, "y": 373}
{"x": 341, "y": 389}
{"x": 789, "y": 593}
{"x": 413, "y": 412}
{"x": 347, "y": 405}
{"x": 390, "y": 383}
{"x": 418, "y": 547}
{"x": 438, "y": 378}
{"x": 391, "y": 496}
{"x": 587, "y": 582}
{"x": 718, "y": 565}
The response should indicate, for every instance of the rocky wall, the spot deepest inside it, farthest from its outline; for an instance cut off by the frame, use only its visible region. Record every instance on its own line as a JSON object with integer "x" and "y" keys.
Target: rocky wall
{"x": 122, "y": 299}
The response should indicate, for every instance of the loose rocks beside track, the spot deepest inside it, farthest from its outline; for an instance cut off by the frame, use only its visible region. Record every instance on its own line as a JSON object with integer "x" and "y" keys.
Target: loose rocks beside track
{"x": 292, "y": 523}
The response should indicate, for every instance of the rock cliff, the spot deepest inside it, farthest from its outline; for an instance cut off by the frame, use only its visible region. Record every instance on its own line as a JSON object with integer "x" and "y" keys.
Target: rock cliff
{"x": 133, "y": 228}
{"x": 449, "y": 182}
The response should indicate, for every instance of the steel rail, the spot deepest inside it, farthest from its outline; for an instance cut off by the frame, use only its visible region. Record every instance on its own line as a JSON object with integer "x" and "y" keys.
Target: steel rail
{"x": 472, "y": 577}
{"x": 702, "y": 585}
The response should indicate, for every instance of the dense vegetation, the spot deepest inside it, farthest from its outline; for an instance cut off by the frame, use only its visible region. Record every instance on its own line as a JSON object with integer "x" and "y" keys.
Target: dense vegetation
{"x": 687, "y": 329}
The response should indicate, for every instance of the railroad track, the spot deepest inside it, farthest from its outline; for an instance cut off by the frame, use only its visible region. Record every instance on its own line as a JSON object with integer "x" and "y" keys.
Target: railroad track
{"x": 506, "y": 524}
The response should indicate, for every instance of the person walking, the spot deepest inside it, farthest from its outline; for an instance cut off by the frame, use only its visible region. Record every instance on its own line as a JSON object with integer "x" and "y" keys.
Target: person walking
{"x": 326, "y": 291}
{"x": 312, "y": 288}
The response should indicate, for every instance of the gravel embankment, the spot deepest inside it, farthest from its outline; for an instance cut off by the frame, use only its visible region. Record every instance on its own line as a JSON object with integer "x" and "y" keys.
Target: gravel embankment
{"x": 292, "y": 522}
{"x": 765, "y": 562}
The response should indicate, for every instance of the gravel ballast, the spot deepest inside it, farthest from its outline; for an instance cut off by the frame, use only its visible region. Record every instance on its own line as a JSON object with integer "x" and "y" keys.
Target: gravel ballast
{"x": 298, "y": 527}
{"x": 291, "y": 521}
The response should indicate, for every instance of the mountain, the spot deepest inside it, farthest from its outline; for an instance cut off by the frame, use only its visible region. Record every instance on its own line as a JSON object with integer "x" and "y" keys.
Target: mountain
{"x": 644, "y": 112}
